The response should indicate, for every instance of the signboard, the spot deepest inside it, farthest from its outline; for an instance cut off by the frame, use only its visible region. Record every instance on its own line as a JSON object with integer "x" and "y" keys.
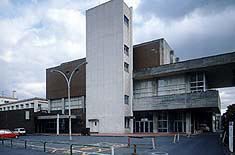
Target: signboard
{"x": 231, "y": 136}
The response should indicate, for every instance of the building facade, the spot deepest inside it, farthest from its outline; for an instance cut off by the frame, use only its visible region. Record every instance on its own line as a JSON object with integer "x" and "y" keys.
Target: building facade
{"x": 57, "y": 95}
{"x": 22, "y": 114}
{"x": 110, "y": 66}
{"x": 142, "y": 88}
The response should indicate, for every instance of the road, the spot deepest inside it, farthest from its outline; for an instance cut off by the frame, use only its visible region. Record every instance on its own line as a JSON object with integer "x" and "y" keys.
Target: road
{"x": 205, "y": 144}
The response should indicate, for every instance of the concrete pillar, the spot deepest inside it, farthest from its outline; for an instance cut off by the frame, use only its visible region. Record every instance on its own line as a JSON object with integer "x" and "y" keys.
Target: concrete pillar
{"x": 188, "y": 122}
{"x": 62, "y": 105}
{"x": 155, "y": 118}
{"x": 58, "y": 125}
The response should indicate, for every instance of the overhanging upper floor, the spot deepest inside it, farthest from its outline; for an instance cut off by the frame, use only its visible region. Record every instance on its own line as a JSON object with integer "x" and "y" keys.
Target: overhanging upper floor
{"x": 219, "y": 69}
{"x": 205, "y": 99}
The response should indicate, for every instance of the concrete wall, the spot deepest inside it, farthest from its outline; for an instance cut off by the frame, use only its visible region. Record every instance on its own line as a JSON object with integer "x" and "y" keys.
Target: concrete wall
{"x": 16, "y": 119}
{"x": 172, "y": 85}
{"x": 145, "y": 88}
{"x": 208, "y": 98}
{"x": 26, "y": 104}
{"x": 107, "y": 82}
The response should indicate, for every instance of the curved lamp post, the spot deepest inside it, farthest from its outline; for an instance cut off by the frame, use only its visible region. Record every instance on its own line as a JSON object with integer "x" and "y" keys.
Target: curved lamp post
{"x": 68, "y": 81}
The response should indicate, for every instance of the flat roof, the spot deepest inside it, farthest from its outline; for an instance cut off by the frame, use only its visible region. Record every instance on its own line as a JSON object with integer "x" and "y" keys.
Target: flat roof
{"x": 186, "y": 66}
{"x": 25, "y": 100}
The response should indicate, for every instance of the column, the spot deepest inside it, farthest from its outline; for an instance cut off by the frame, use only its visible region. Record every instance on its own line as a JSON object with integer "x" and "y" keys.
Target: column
{"x": 155, "y": 130}
{"x": 58, "y": 125}
{"x": 188, "y": 122}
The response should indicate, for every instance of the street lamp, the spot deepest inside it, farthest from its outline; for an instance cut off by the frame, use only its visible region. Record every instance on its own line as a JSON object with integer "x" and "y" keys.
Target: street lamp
{"x": 68, "y": 80}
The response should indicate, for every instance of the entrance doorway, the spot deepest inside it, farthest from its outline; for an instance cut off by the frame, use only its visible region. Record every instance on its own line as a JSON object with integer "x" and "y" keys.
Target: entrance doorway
{"x": 94, "y": 126}
{"x": 144, "y": 126}
{"x": 178, "y": 126}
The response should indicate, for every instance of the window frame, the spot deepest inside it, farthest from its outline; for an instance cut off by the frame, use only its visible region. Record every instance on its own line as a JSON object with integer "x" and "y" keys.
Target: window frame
{"x": 126, "y": 20}
{"x": 126, "y": 67}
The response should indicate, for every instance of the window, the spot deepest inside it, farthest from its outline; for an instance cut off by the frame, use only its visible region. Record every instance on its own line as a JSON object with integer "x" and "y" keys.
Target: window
{"x": 162, "y": 121}
{"x": 8, "y": 108}
{"x": 39, "y": 106}
{"x": 126, "y": 99}
{"x": 17, "y": 106}
{"x": 126, "y": 67}
{"x": 27, "y": 105}
{"x": 12, "y": 107}
{"x": 126, "y": 21}
{"x": 126, "y": 50}
{"x": 127, "y": 122}
{"x": 32, "y": 105}
{"x": 22, "y": 106}
{"x": 0, "y": 109}
{"x": 6, "y": 101}
{"x": 27, "y": 117}
{"x": 4, "y": 108}
{"x": 197, "y": 82}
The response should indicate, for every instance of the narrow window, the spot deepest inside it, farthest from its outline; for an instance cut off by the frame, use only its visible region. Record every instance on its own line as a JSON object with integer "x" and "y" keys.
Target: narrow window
{"x": 127, "y": 122}
{"x": 126, "y": 50}
{"x": 27, "y": 117}
{"x": 126, "y": 21}
{"x": 126, "y": 67}
{"x": 126, "y": 99}
{"x": 39, "y": 107}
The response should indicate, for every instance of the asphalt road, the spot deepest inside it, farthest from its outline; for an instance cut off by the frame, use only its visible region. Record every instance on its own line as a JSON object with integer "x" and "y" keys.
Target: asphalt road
{"x": 206, "y": 144}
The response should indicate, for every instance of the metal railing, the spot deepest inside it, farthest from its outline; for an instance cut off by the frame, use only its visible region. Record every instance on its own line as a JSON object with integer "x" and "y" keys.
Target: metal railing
{"x": 64, "y": 148}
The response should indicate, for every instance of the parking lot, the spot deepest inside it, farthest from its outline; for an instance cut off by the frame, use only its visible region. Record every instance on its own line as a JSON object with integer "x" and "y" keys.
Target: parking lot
{"x": 196, "y": 145}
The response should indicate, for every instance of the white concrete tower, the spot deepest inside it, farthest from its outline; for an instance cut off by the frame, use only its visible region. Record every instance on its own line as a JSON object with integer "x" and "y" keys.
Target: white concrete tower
{"x": 110, "y": 66}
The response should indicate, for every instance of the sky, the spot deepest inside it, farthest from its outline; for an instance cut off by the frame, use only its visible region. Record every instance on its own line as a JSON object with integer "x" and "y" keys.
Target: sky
{"x": 38, "y": 34}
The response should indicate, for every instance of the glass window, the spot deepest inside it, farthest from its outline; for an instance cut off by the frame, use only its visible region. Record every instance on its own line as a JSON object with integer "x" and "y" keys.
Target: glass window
{"x": 126, "y": 100}
{"x": 126, "y": 67}
{"x": 27, "y": 117}
{"x": 126, "y": 50}
{"x": 126, "y": 21}
{"x": 127, "y": 122}
{"x": 197, "y": 82}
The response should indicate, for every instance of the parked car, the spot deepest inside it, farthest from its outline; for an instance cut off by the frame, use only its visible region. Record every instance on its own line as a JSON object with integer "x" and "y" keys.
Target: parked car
{"x": 5, "y": 133}
{"x": 20, "y": 131}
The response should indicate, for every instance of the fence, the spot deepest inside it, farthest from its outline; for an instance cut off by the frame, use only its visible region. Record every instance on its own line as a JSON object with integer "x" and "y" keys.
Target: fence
{"x": 59, "y": 147}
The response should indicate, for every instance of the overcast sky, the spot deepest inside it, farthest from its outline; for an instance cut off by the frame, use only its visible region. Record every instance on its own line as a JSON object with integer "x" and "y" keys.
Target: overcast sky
{"x": 38, "y": 34}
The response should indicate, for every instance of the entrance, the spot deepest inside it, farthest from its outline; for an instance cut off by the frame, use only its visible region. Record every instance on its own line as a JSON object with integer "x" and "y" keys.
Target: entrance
{"x": 178, "y": 126}
{"x": 94, "y": 126}
{"x": 144, "y": 126}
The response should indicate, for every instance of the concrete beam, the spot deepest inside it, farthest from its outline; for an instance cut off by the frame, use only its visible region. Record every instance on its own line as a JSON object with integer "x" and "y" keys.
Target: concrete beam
{"x": 207, "y": 99}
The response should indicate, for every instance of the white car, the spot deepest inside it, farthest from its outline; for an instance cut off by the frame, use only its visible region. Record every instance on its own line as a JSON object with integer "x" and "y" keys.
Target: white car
{"x": 20, "y": 131}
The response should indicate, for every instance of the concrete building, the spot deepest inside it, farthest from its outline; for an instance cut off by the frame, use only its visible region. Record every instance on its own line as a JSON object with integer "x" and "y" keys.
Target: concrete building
{"x": 178, "y": 96}
{"x": 110, "y": 66}
{"x": 22, "y": 113}
{"x": 57, "y": 95}
{"x": 5, "y": 100}
{"x": 141, "y": 88}
{"x": 37, "y": 104}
